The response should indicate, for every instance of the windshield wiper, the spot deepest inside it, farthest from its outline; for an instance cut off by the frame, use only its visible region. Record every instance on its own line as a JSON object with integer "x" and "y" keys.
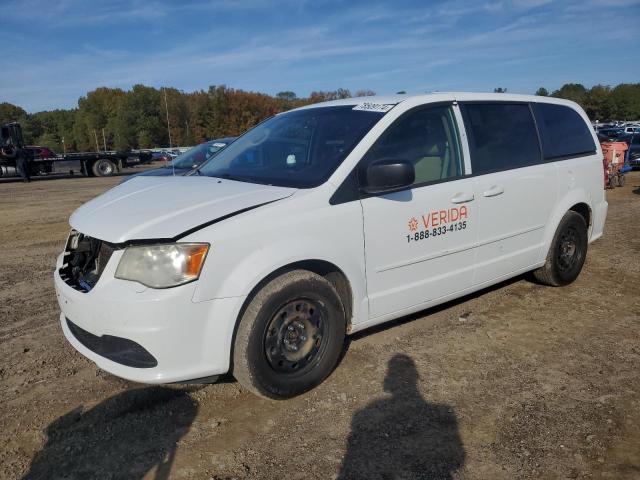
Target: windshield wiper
{"x": 237, "y": 178}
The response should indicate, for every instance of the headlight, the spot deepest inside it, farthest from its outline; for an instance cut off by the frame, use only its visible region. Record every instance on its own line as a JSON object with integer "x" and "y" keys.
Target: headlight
{"x": 163, "y": 266}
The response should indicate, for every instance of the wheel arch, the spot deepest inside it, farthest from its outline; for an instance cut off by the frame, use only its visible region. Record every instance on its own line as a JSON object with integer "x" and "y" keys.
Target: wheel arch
{"x": 585, "y": 211}
{"x": 577, "y": 201}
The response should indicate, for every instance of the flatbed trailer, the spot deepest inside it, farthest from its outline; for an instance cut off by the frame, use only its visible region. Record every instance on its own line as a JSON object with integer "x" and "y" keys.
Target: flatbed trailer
{"x": 98, "y": 164}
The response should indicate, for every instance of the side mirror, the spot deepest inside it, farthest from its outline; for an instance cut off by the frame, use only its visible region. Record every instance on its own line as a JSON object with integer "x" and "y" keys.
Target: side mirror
{"x": 388, "y": 175}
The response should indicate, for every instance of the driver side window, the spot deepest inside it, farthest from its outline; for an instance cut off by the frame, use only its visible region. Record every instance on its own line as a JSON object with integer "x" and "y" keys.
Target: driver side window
{"x": 428, "y": 138}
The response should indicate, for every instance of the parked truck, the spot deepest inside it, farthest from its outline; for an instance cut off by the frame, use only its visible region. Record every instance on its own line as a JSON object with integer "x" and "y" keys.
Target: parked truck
{"x": 99, "y": 164}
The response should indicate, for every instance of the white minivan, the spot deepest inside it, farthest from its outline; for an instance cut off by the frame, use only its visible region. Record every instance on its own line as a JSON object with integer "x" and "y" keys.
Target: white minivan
{"x": 323, "y": 221}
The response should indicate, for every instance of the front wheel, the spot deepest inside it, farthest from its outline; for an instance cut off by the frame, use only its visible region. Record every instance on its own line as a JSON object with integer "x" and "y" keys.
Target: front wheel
{"x": 290, "y": 336}
{"x": 567, "y": 252}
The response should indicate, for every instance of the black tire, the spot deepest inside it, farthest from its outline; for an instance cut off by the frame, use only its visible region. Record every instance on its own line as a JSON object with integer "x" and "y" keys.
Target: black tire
{"x": 103, "y": 167}
{"x": 621, "y": 180}
{"x": 613, "y": 180}
{"x": 297, "y": 309}
{"x": 567, "y": 253}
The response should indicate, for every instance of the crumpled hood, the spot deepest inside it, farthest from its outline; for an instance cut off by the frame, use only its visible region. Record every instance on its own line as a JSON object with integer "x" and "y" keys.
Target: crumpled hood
{"x": 165, "y": 207}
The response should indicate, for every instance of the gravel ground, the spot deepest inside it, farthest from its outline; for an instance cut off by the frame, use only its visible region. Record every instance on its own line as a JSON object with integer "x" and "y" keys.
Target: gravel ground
{"x": 519, "y": 381}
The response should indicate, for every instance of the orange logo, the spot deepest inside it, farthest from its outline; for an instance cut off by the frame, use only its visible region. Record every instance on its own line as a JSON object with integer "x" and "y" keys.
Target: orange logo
{"x": 441, "y": 217}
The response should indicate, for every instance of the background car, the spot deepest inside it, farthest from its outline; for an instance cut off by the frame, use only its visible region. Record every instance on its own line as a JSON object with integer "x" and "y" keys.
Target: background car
{"x": 160, "y": 156}
{"x": 40, "y": 152}
{"x": 633, "y": 154}
{"x": 610, "y": 134}
{"x": 187, "y": 161}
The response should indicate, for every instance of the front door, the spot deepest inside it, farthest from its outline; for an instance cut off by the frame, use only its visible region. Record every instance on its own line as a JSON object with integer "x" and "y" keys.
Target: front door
{"x": 419, "y": 243}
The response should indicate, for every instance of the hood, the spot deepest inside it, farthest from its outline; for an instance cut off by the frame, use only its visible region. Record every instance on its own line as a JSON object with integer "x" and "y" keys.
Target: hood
{"x": 165, "y": 207}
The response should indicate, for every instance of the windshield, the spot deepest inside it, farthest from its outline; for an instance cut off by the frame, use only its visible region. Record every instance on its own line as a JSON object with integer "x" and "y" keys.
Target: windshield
{"x": 196, "y": 156}
{"x": 299, "y": 149}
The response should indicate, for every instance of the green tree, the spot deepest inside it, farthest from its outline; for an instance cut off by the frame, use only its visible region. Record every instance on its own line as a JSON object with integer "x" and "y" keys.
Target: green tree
{"x": 55, "y": 126}
{"x": 287, "y": 95}
{"x": 625, "y": 101}
{"x": 31, "y": 128}
{"x": 571, "y": 91}
{"x": 542, "y": 92}
{"x": 10, "y": 112}
{"x": 141, "y": 120}
{"x": 499, "y": 90}
{"x": 598, "y": 103}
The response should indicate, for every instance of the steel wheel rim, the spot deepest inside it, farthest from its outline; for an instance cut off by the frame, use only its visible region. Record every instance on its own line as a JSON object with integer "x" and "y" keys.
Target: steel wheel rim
{"x": 295, "y": 337}
{"x": 568, "y": 249}
{"x": 105, "y": 168}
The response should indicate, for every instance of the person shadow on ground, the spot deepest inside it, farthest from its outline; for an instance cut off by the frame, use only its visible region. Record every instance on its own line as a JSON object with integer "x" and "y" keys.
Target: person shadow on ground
{"x": 403, "y": 436}
{"x": 124, "y": 437}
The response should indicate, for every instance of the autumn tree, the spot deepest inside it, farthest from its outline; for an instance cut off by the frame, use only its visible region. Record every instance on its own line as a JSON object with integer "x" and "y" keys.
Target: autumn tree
{"x": 137, "y": 118}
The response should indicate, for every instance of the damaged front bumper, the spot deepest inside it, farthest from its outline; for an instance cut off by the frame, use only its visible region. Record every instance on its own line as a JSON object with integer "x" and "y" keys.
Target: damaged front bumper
{"x": 143, "y": 334}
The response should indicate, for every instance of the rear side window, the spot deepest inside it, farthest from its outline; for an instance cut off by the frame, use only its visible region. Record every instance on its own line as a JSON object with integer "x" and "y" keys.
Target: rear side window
{"x": 501, "y": 136}
{"x": 563, "y": 131}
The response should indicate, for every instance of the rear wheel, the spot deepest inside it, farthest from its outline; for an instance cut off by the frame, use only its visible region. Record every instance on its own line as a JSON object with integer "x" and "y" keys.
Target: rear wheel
{"x": 567, "y": 252}
{"x": 103, "y": 167}
{"x": 290, "y": 336}
{"x": 621, "y": 180}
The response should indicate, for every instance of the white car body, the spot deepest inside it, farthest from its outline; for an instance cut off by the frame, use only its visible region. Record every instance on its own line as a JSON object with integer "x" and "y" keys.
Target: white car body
{"x": 511, "y": 216}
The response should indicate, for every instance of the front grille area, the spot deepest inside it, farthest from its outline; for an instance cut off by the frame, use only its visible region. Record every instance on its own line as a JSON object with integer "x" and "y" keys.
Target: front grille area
{"x": 85, "y": 258}
{"x": 117, "y": 349}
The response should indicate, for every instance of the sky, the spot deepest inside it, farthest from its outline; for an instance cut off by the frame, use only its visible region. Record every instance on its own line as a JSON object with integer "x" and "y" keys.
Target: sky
{"x": 56, "y": 51}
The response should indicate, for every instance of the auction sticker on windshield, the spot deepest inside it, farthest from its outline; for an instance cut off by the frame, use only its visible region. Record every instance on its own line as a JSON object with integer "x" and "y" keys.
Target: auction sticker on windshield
{"x": 373, "y": 107}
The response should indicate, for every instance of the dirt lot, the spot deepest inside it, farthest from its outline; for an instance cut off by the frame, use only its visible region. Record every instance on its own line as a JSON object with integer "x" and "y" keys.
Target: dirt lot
{"x": 521, "y": 381}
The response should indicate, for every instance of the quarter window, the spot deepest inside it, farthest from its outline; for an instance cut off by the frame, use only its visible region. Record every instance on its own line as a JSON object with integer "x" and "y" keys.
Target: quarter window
{"x": 563, "y": 131}
{"x": 428, "y": 138}
{"x": 501, "y": 136}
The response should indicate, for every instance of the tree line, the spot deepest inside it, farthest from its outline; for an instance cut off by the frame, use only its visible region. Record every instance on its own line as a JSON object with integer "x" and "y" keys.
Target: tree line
{"x": 137, "y": 118}
{"x": 602, "y": 102}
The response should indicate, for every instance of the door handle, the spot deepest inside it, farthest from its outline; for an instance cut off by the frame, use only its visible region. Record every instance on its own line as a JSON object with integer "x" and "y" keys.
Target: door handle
{"x": 462, "y": 197}
{"x": 493, "y": 191}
